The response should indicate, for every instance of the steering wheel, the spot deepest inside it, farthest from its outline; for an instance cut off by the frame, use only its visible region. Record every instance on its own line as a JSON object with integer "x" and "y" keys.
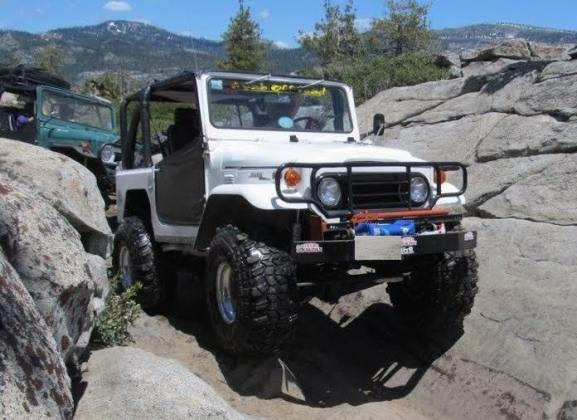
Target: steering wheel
{"x": 311, "y": 123}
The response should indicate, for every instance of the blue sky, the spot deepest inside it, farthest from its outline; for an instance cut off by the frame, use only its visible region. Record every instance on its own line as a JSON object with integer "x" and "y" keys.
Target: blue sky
{"x": 280, "y": 20}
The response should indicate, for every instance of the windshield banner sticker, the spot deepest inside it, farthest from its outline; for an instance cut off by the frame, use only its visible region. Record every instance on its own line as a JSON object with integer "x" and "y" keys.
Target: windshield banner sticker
{"x": 277, "y": 88}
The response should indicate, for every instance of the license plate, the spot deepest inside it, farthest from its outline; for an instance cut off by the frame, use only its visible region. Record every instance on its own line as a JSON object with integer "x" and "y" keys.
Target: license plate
{"x": 376, "y": 248}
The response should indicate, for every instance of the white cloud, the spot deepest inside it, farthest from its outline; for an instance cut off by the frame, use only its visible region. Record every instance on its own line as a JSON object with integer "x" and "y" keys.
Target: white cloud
{"x": 39, "y": 11}
{"x": 363, "y": 24}
{"x": 118, "y": 6}
{"x": 281, "y": 44}
{"x": 187, "y": 33}
{"x": 264, "y": 14}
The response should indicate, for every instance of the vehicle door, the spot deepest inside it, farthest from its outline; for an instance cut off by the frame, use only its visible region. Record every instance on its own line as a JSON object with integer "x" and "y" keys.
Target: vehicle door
{"x": 179, "y": 174}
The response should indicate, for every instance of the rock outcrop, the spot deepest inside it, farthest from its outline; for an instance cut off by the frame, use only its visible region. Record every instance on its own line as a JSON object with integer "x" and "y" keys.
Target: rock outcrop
{"x": 33, "y": 379}
{"x": 513, "y": 120}
{"x": 496, "y": 58}
{"x": 60, "y": 182}
{"x": 128, "y": 383}
{"x": 54, "y": 238}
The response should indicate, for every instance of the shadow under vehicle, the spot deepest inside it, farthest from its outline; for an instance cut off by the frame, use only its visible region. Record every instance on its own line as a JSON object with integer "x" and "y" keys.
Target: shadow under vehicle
{"x": 39, "y": 108}
{"x": 323, "y": 367}
{"x": 262, "y": 188}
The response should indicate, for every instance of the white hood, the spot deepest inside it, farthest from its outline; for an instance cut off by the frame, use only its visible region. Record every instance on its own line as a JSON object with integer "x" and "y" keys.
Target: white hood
{"x": 252, "y": 154}
{"x": 247, "y": 168}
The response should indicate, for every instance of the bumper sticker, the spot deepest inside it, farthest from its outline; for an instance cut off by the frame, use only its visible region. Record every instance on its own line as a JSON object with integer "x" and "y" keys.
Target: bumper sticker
{"x": 407, "y": 250}
{"x": 309, "y": 248}
{"x": 469, "y": 236}
{"x": 408, "y": 241}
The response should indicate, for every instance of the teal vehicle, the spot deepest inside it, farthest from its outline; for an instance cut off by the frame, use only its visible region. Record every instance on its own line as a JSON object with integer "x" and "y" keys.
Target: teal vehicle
{"x": 39, "y": 108}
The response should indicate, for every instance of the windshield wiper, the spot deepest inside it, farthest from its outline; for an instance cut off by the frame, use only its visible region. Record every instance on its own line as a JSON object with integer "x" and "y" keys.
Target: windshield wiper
{"x": 317, "y": 82}
{"x": 258, "y": 79}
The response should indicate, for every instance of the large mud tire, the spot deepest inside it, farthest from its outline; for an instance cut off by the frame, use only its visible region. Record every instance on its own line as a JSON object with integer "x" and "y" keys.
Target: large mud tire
{"x": 135, "y": 261}
{"x": 439, "y": 295}
{"x": 257, "y": 309}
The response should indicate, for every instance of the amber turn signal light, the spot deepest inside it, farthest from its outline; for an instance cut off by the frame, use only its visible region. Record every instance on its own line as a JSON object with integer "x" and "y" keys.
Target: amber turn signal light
{"x": 292, "y": 177}
{"x": 440, "y": 176}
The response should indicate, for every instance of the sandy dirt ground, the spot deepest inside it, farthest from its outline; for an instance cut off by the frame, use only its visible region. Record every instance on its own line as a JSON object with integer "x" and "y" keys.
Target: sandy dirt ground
{"x": 352, "y": 360}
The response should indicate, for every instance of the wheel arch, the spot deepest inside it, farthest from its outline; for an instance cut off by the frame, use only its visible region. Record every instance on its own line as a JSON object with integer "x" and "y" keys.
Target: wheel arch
{"x": 136, "y": 203}
{"x": 236, "y": 210}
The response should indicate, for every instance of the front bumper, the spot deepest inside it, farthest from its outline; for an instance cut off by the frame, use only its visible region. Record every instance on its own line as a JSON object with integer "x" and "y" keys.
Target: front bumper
{"x": 381, "y": 248}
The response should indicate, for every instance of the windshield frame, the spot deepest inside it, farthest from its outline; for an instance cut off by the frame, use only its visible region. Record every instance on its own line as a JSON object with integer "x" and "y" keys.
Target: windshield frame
{"x": 347, "y": 111}
{"x": 84, "y": 100}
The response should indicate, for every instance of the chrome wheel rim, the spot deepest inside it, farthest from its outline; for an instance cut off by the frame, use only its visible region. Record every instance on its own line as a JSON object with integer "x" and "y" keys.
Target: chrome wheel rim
{"x": 125, "y": 268}
{"x": 224, "y": 298}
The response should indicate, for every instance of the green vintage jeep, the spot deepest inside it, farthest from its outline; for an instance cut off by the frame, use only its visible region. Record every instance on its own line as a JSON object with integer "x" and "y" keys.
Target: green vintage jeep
{"x": 39, "y": 108}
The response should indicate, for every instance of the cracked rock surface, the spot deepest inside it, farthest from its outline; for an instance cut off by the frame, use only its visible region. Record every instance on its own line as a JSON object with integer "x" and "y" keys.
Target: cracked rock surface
{"x": 53, "y": 243}
{"x": 33, "y": 379}
{"x": 517, "y": 132}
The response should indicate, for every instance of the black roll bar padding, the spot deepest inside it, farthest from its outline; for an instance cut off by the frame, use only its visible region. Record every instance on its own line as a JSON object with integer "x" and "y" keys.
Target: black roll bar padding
{"x": 123, "y": 123}
{"x": 145, "y": 120}
{"x": 129, "y": 145}
{"x": 436, "y": 166}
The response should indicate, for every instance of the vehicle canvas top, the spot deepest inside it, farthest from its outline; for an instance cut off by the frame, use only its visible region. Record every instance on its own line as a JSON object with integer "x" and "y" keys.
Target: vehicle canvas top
{"x": 24, "y": 78}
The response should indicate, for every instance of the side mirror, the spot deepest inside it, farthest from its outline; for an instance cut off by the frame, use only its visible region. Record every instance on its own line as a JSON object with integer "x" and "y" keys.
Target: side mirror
{"x": 378, "y": 124}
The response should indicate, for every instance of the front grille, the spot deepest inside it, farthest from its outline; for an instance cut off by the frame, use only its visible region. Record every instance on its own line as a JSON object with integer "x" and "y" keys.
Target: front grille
{"x": 378, "y": 191}
{"x": 365, "y": 190}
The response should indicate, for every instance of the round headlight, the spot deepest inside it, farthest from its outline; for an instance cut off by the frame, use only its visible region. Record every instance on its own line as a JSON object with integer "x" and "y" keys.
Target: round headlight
{"x": 107, "y": 154}
{"x": 329, "y": 192}
{"x": 419, "y": 190}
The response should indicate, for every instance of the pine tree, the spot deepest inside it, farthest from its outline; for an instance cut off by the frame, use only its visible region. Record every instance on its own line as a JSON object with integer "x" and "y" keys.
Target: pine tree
{"x": 51, "y": 59}
{"x": 404, "y": 29}
{"x": 395, "y": 52}
{"x": 244, "y": 47}
{"x": 335, "y": 38}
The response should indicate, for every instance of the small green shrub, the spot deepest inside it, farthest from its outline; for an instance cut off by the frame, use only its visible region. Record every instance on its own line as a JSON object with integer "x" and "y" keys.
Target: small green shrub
{"x": 112, "y": 325}
{"x": 374, "y": 74}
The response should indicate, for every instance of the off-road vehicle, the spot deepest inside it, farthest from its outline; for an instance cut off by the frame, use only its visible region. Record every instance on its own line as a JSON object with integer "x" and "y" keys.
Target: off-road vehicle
{"x": 78, "y": 126}
{"x": 264, "y": 188}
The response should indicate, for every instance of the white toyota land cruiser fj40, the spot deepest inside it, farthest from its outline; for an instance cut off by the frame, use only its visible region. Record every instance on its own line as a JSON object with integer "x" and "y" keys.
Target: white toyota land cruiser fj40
{"x": 263, "y": 187}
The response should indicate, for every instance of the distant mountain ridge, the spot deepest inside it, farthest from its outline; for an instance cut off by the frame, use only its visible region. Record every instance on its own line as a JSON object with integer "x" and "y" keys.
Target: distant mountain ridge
{"x": 477, "y": 36}
{"x": 147, "y": 52}
{"x": 142, "y": 50}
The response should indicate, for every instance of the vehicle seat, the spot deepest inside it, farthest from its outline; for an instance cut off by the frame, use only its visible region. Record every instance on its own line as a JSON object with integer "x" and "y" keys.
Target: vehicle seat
{"x": 7, "y": 121}
{"x": 185, "y": 129}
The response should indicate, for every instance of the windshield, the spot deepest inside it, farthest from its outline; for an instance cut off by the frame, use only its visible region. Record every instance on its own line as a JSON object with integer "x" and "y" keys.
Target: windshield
{"x": 275, "y": 105}
{"x": 76, "y": 110}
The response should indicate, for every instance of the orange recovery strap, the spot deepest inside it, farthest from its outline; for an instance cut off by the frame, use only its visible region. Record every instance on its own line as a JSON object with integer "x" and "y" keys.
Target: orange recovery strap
{"x": 367, "y": 216}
